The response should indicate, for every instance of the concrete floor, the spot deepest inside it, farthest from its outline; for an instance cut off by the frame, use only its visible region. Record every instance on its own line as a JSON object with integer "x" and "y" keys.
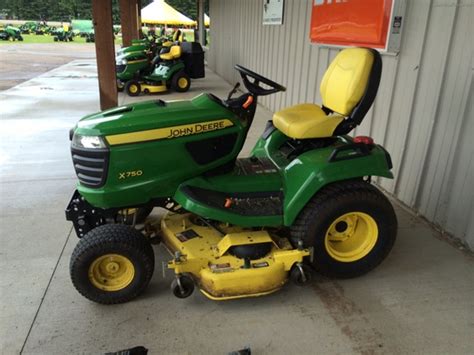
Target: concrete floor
{"x": 24, "y": 61}
{"x": 420, "y": 300}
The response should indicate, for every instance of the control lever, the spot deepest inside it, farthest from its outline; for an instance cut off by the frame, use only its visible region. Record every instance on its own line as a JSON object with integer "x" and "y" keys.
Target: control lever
{"x": 234, "y": 90}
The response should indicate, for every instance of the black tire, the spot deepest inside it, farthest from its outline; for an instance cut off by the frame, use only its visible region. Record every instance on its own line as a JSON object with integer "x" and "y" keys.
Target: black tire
{"x": 186, "y": 289}
{"x": 334, "y": 201}
{"x": 114, "y": 239}
{"x": 20, "y": 38}
{"x": 129, "y": 88}
{"x": 180, "y": 82}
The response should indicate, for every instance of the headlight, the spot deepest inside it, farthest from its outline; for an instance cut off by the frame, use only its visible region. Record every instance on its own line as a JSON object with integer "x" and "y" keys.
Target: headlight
{"x": 90, "y": 142}
{"x": 121, "y": 62}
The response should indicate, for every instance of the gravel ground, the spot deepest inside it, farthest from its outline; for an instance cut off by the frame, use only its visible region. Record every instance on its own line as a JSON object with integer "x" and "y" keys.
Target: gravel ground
{"x": 21, "y": 62}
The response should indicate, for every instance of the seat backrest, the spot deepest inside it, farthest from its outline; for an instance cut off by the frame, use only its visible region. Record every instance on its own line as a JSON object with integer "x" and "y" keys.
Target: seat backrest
{"x": 177, "y": 36}
{"x": 350, "y": 83}
{"x": 175, "y": 51}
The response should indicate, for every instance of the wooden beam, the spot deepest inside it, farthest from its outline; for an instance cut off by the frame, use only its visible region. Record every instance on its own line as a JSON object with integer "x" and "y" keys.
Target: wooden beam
{"x": 139, "y": 15}
{"x": 105, "y": 52}
{"x": 201, "y": 26}
{"x": 126, "y": 22}
{"x": 134, "y": 19}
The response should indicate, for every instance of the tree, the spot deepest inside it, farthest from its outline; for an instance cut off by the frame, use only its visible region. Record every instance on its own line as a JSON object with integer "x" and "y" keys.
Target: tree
{"x": 65, "y": 10}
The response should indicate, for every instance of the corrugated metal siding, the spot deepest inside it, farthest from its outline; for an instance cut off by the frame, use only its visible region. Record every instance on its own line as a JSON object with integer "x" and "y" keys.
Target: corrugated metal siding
{"x": 423, "y": 113}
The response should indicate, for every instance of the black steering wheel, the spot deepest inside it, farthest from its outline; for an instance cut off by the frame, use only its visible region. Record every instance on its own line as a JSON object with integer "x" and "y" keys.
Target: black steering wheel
{"x": 254, "y": 87}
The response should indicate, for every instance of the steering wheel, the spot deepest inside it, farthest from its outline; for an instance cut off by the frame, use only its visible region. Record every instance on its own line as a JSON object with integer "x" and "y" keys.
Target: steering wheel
{"x": 254, "y": 87}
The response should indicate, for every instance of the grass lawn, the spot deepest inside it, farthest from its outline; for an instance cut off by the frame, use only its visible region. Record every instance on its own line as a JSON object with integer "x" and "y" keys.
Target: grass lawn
{"x": 49, "y": 39}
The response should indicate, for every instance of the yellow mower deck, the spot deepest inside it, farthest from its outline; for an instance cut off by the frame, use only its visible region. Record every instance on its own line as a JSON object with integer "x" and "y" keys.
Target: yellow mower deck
{"x": 153, "y": 89}
{"x": 204, "y": 254}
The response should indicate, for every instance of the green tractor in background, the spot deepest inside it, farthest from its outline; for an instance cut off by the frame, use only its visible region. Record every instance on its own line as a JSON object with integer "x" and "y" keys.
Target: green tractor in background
{"x": 62, "y": 34}
{"x": 173, "y": 69}
{"x": 28, "y": 27}
{"x": 84, "y": 28}
{"x": 236, "y": 226}
{"x": 10, "y": 33}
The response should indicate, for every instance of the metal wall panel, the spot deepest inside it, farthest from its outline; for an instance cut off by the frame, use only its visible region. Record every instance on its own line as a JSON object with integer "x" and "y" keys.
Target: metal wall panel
{"x": 423, "y": 113}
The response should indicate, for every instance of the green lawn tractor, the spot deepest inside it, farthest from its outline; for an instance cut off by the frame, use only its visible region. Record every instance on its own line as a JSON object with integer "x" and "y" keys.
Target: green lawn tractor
{"x": 133, "y": 65}
{"x": 61, "y": 35}
{"x": 173, "y": 69}
{"x": 28, "y": 27}
{"x": 42, "y": 28}
{"x": 10, "y": 33}
{"x": 235, "y": 227}
{"x": 90, "y": 37}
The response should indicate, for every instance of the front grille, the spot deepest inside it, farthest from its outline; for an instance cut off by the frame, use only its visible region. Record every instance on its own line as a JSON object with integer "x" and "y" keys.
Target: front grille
{"x": 91, "y": 166}
{"x": 119, "y": 68}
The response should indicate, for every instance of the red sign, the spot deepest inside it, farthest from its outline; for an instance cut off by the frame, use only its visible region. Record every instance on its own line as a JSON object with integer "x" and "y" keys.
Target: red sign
{"x": 362, "y": 23}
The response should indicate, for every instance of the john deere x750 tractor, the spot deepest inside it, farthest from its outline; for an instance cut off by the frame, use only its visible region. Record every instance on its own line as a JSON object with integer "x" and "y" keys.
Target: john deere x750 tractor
{"x": 235, "y": 227}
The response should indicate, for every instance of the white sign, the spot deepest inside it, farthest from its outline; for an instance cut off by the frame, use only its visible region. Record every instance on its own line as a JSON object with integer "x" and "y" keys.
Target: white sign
{"x": 273, "y": 12}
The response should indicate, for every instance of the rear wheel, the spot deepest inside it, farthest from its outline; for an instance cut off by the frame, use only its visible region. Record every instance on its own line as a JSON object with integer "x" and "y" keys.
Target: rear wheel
{"x": 180, "y": 82}
{"x": 133, "y": 88}
{"x": 113, "y": 263}
{"x": 352, "y": 227}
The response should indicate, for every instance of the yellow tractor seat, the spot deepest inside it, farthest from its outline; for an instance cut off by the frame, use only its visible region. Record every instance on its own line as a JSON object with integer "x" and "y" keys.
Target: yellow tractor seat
{"x": 167, "y": 44}
{"x": 174, "y": 53}
{"x": 348, "y": 90}
{"x": 306, "y": 121}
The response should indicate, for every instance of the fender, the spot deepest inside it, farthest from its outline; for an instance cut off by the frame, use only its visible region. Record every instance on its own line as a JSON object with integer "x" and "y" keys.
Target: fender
{"x": 313, "y": 170}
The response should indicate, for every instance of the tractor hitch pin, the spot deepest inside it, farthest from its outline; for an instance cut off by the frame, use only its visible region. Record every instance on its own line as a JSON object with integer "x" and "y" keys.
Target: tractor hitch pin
{"x": 177, "y": 256}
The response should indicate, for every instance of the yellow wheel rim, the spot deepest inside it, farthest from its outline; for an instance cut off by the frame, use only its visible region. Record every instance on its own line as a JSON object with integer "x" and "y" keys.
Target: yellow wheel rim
{"x": 351, "y": 237}
{"x": 182, "y": 83}
{"x": 133, "y": 89}
{"x": 111, "y": 272}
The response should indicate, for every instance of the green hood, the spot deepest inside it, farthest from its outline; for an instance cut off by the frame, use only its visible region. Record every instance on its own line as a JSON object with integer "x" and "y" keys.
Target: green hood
{"x": 151, "y": 115}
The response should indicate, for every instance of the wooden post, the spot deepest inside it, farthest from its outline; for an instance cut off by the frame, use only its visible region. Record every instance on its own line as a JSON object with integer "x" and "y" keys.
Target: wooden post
{"x": 126, "y": 22}
{"x": 201, "y": 26}
{"x": 139, "y": 16}
{"x": 134, "y": 19}
{"x": 105, "y": 52}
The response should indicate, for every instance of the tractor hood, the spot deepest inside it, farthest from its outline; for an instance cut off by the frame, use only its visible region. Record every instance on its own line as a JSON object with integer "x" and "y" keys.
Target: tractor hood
{"x": 133, "y": 48}
{"x": 152, "y": 115}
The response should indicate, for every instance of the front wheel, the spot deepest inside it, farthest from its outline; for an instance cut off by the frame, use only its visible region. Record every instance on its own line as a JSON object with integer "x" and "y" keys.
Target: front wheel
{"x": 120, "y": 85}
{"x": 113, "y": 263}
{"x": 133, "y": 88}
{"x": 352, "y": 227}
